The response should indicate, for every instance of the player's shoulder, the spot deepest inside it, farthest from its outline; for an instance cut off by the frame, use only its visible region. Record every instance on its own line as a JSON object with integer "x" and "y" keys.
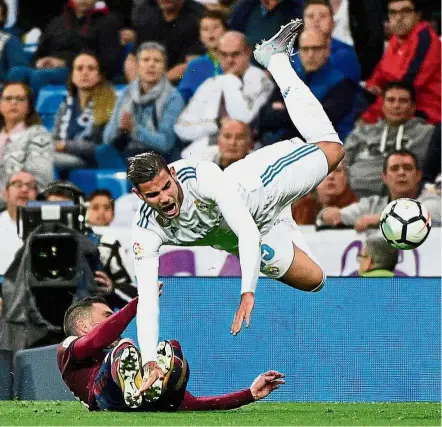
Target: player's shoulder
{"x": 64, "y": 348}
{"x": 185, "y": 169}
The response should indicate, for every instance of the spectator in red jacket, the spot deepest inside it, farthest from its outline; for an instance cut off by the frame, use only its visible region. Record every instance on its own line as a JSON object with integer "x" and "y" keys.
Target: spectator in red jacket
{"x": 413, "y": 55}
{"x": 103, "y": 371}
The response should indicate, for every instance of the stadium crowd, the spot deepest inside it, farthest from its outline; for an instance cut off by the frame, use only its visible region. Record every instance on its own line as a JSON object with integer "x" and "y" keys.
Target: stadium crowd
{"x": 85, "y": 84}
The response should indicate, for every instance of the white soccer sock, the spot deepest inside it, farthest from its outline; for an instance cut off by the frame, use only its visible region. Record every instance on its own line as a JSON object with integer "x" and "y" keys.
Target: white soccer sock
{"x": 304, "y": 109}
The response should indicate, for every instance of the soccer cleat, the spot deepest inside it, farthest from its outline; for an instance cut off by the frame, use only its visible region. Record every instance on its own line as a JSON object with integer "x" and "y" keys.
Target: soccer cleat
{"x": 165, "y": 362}
{"x": 130, "y": 376}
{"x": 282, "y": 41}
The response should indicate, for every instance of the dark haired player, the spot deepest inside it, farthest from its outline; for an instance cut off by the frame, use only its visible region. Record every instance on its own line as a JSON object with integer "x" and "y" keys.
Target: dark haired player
{"x": 104, "y": 372}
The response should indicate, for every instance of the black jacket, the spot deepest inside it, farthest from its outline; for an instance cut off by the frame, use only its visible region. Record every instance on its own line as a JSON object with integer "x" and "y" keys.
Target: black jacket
{"x": 98, "y": 31}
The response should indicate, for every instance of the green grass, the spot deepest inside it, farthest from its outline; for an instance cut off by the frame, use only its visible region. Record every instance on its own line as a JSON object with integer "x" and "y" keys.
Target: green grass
{"x": 13, "y": 413}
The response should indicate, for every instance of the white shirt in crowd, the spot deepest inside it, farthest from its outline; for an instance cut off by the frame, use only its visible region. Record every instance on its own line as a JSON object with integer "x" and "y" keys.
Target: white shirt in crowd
{"x": 10, "y": 242}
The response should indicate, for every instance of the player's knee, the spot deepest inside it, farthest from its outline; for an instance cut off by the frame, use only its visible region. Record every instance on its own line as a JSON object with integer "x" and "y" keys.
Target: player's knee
{"x": 318, "y": 284}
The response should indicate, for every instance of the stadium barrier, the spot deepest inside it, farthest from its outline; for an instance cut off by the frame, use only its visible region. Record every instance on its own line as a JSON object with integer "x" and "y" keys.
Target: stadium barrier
{"x": 358, "y": 340}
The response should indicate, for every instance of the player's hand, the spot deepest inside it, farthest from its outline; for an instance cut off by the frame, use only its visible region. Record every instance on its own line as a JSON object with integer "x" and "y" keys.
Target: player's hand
{"x": 127, "y": 123}
{"x": 365, "y": 222}
{"x": 243, "y": 312}
{"x": 331, "y": 216}
{"x": 152, "y": 372}
{"x": 266, "y": 383}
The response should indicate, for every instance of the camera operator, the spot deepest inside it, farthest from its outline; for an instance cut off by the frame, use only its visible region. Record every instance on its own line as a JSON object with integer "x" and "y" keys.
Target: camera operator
{"x": 21, "y": 187}
{"x": 113, "y": 281}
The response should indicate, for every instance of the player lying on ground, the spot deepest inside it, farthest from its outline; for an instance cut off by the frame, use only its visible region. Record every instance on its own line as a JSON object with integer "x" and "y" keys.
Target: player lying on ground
{"x": 103, "y": 371}
{"x": 244, "y": 209}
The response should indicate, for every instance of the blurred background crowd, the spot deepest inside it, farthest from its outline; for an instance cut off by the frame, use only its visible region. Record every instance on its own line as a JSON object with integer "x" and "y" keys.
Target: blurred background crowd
{"x": 85, "y": 84}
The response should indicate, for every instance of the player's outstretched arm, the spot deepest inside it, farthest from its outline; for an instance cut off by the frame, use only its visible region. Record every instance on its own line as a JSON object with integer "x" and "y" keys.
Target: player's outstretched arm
{"x": 214, "y": 184}
{"x": 106, "y": 333}
{"x": 263, "y": 385}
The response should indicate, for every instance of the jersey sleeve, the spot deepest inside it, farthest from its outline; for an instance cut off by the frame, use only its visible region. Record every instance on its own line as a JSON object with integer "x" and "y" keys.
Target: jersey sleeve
{"x": 145, "y": 245}
{"x": 214, "y": 185}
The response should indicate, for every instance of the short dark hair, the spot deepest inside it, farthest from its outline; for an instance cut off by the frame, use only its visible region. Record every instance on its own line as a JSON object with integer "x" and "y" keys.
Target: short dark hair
{"x": 216, "y": 15}
{"x": 401, "y": 152}
{"x": 400, "y": 84}
{"x": 145, "y": 167}
{"x": 318, "y": 2}
{"x": 78, "y": 310}
{"x": 64, "y": 189}
{"x": 411, "y": 1}
{"x": 102, "y": 192}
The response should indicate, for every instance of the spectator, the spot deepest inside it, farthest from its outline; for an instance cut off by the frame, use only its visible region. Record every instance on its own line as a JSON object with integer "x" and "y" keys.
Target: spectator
{"x": 212, "y": 26}
{"x": 334, "y": 90}
{"x": 413, "y": 55}
{"x": 81, "y": 118}
{"x": 173, "y": 24}
{"x": 333, "y": 191}
{"x": 401, "y": 175}
{"x": 318, "y": 15}
{"x": 368, "y": 144}
{"x": 341, "y": 19}
{"x": 100, "y": 208}
{"x": 260, "y": 19}
{"x": 82, "y": 26}
{"x": 146, "y": 112}
{"x": 11, "y": 50}
{"x": 239, "y": 93}
{"x": 24, "y": 143}
{"x": 432, "y": 165}
{"x": 377, "y": 258}
{"x": 20, "y": 188}
{"x": 126, "y": 206}
{"x": 234, "y": 143}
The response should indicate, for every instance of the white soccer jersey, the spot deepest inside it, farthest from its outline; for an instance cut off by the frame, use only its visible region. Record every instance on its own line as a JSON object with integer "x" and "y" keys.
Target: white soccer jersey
{"x": 230, "y": 210}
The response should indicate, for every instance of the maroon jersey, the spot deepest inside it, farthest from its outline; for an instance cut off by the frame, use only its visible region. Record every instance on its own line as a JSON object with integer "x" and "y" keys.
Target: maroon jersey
{"x": 80, "y": 358}
{"x": 226, "y": 401}
{"x": 79, "y": 375}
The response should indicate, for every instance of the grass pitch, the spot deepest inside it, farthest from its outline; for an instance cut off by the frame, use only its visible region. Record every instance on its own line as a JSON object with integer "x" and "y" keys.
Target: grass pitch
{"x": 24, "y": 413}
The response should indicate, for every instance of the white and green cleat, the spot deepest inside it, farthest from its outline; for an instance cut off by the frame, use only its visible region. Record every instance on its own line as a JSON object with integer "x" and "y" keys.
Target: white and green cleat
{"x": 281, "y": 42}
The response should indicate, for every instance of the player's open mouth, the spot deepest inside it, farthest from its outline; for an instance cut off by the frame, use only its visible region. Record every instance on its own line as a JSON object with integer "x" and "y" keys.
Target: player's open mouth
{"x": 170, "y": 209}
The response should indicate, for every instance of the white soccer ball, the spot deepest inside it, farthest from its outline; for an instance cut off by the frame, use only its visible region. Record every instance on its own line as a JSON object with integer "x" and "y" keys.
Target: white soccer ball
{"x": 405, "y": 223}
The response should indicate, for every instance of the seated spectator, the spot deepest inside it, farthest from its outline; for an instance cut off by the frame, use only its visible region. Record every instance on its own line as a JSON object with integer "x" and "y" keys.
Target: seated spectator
{"x": 333, "y": 191}
{"x": 11, "y": 50}
{"x": 174, "y": 24}
{"x": 147, "y": 110}
{"x": 377, "y": 258}
{"x": 234, "y": 143}
{"x": 82, "y": 26}
{"x": 100, "y": 208}
{"x": 239, "y": 93}
{"x": 401, "y": 175}
{"x": 413, "y": 55}
{"x": 81, "y": 118}
{"x": 432, "y": 165}
{"x": 368, "y": 144}
{"x": 212, "y": 26}
{"x": 20, "y": 188}
{"x": 261, "y": 19}
{"x": 24, "y": 142}
{"x": 318, "y": 15}
{"x": 334, "y": 90}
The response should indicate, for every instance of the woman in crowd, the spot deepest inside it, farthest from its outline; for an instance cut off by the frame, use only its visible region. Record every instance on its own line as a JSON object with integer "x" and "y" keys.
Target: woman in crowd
{"x": 146, "y": 112}
{"x": 24, "y": 143}
{"x": 82, "y": 117}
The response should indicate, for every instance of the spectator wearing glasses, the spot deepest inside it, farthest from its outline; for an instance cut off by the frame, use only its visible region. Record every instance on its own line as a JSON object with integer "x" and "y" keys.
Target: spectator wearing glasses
{"x": 24, "y": 142}
{"x": 20, "y": 188}
{"x": 334, "y": 90}
{"x": 413, "y": 55}
{"x": 377, "y": 258}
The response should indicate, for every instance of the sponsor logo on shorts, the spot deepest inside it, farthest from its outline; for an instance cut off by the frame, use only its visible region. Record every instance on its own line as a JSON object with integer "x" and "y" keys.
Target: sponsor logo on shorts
{"x": 138, "y": 249}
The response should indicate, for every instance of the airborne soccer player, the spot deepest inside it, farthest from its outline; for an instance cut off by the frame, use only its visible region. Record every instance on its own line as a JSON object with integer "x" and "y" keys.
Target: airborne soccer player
{"x": 244, "y": 209}
{"x": 104, "y": 371}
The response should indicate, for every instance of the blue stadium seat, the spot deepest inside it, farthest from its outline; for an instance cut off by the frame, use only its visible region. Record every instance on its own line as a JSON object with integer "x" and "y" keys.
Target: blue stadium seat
{"x": 89, "y": 180}
{"x": 48, "y": 101}
{"x": 36, "y": 375}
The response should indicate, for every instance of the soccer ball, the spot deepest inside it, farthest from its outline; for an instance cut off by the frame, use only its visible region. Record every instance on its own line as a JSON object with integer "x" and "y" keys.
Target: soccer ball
{"x": 405, "y": 223}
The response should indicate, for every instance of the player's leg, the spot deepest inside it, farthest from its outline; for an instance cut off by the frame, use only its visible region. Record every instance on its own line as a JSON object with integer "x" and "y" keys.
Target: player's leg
{"x": 304, "y": 109}
{"x": 119, "y": 377}
{"x": 287, "y": 258}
